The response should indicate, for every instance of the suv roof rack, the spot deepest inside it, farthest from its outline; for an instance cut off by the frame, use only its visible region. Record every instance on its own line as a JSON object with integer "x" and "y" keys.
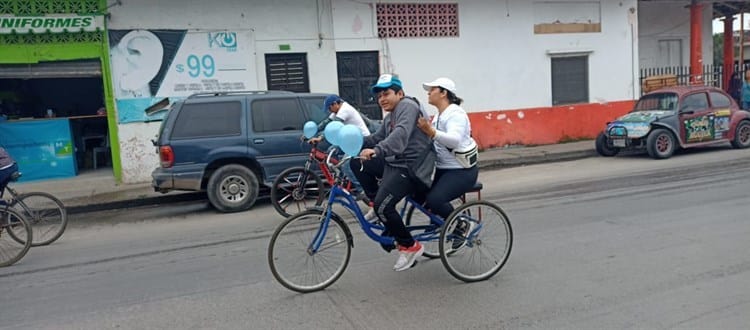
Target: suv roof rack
{"x": 238, "y": 93}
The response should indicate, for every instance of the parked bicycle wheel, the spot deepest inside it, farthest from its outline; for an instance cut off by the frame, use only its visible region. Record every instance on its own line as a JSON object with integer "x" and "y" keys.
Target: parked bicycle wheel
{"x": 290, "y": 255}
{"x": 415, "y": 217}
{"x": 476, "y": 240}
{"x": 296, "y": 189}
{"x": 15, "y": 237}
{"x": 46, "y": 215}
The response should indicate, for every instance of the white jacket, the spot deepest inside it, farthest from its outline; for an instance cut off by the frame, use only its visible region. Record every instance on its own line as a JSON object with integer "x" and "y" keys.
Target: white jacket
{"x": 453, "y": 133}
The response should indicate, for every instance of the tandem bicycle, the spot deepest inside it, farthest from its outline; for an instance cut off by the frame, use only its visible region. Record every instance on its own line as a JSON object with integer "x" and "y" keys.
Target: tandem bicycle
{"x": 310, "y": 250}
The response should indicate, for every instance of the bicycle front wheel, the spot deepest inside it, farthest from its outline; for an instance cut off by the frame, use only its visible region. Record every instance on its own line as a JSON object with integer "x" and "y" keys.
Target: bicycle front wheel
{"x": 46, "y": 215}
{"x": 292, "y": 259}
{"x": 15, "y": 237}
{"x": 476, "y": 240}
{"x": 296, "y": 189}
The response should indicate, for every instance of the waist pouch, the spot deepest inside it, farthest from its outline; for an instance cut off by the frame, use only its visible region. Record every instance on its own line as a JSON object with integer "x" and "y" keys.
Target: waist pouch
{"x": 467, "y": 158}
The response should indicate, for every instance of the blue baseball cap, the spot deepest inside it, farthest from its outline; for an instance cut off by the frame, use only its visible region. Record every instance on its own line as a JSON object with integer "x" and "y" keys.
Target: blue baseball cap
{"x": 330, "y": 100}
{"x": 386, "y": 81}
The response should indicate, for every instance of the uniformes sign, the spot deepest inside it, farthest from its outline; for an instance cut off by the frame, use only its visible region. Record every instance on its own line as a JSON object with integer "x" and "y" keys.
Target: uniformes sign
{"x": 50, "y": 23}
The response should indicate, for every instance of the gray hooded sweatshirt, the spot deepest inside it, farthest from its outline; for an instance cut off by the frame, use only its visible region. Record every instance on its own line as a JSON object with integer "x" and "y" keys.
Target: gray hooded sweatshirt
{"x": 398, "y": 140}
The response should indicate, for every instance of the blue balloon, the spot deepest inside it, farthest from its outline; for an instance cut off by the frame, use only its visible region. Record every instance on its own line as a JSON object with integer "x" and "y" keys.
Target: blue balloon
{"x": 310, "y": 129}
{"x": 331, "y": 132}
{"x": 351, "y": 140}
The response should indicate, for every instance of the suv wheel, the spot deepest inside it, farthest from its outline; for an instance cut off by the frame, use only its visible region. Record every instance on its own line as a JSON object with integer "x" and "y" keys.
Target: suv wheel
{"x": 233, "y": 188}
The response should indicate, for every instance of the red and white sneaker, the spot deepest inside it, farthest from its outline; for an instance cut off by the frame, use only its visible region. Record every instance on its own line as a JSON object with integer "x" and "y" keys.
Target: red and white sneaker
{"x": 407, "y": 256}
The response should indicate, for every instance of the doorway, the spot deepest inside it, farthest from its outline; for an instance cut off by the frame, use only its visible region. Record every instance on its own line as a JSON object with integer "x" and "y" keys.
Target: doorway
{"x": 357, "y": 71}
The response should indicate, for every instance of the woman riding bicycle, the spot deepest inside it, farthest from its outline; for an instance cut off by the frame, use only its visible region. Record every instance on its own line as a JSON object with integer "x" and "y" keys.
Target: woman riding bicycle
{"x": 456, "y": 169}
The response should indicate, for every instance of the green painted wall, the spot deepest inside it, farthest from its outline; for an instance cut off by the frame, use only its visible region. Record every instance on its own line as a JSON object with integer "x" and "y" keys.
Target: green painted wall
{"x": 46, "y": 47}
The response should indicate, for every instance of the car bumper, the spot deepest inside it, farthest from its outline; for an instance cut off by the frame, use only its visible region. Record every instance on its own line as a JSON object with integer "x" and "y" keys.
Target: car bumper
{"x": 165, "y": 179}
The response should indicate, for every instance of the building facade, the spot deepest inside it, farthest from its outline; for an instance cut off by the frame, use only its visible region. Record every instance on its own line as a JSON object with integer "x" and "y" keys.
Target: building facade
{"x": 530, "y": 72}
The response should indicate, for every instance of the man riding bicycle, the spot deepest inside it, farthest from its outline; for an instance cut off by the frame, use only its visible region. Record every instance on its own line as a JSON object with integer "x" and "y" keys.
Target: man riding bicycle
{"x": 399, "y": 143}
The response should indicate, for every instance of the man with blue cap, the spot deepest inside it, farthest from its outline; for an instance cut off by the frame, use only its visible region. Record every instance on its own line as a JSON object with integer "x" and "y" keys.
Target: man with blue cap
{"x": 343, "y": 112}
{"x": 401, "y": 145}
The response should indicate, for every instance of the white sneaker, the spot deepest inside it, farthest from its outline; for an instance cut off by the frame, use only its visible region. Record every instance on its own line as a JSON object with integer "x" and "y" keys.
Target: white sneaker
{"x": 370, "y": 215}
{"x": 408, "y": 256}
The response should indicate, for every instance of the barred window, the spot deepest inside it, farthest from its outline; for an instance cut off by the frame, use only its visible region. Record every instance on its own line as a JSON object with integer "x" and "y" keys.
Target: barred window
{"x": 411, "y": 20}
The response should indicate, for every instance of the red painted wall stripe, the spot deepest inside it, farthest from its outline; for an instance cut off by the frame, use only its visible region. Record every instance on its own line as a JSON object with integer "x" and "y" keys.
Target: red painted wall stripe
{"x": 547, "y": 125}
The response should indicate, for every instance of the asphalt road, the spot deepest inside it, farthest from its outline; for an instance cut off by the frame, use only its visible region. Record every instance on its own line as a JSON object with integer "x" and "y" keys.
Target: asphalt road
{"x": 624, "y": 242}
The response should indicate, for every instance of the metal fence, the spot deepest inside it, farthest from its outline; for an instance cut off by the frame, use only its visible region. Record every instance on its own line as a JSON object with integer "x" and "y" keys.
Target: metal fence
{"x": 712, "y": 74}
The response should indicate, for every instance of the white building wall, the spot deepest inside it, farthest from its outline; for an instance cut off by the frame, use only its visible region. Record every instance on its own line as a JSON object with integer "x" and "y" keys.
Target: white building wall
{"x": 497, "y": 61}
{"x": 670, "y": 20}
{"x": 299, "y": 24}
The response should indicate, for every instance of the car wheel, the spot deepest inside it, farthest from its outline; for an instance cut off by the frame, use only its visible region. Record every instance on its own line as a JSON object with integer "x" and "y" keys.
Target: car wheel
{"x": 232, "y": 188}
{"x": 602, "y": 148}
{"x": 742, "y": 135}
{"x": 660, "y": 144}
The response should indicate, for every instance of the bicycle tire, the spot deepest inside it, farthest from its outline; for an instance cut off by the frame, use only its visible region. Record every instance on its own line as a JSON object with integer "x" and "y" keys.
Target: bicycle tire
{"x": 13, "y": 225}
{"x": 488, "y": 218}
{"x": 431, "y": 248}
{"x": 288, "y": 253}
{"x": 286, "y": 192}
{"x": 45, "y": 213}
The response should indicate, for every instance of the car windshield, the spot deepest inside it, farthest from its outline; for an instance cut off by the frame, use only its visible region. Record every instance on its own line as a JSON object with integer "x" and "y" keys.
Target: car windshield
{"x": 657, "y": 102}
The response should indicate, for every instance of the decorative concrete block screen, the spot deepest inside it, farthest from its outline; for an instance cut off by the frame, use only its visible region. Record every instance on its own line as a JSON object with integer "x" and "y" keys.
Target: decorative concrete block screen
{"x": 414, "y": 20}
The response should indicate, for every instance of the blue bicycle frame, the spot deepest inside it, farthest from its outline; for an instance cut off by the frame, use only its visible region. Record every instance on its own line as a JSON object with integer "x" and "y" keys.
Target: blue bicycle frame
{"x": 339, "y": 195}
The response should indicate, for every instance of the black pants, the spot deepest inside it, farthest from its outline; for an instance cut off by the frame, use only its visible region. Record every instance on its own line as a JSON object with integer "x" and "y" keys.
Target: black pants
{"x": 395, "y": 186}
{"x": 5, "y": 176}
{"x": 368, "y": 173}
{"x": 448, "y": 185}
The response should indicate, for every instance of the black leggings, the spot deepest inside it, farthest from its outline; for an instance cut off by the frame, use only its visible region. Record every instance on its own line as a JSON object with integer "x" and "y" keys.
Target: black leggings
{"x": 448, "y": 185}
{"x": 395, "y": 186}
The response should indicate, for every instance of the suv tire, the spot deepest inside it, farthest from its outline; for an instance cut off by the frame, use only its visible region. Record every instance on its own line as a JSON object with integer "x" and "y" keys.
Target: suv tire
{"x": 232, "y": 188}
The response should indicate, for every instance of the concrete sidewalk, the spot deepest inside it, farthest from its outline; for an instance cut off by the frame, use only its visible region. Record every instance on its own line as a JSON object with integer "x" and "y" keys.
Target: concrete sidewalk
{"x": 97, "y": 190}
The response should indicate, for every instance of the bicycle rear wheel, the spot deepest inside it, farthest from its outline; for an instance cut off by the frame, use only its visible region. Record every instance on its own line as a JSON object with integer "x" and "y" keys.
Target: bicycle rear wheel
{"x": 15, "y": 237}
{"x": 46, "y": 215}
{"x": 476, "y": 240}
{"x": 293, "y": 263}
{"x": 296, "y": 189}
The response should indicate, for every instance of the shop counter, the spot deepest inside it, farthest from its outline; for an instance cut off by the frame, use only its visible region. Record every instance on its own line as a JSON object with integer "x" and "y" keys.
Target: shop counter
{"x": 43, "y": 148}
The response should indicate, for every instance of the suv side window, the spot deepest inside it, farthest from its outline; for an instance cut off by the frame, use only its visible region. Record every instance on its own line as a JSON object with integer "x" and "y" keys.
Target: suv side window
{"x": 208, "y": 120}
{"x": 274, "y": 115}
{"x": 719, "y": 100}
{"x": 694, "y": 102}
{"x": 314, "y": 108}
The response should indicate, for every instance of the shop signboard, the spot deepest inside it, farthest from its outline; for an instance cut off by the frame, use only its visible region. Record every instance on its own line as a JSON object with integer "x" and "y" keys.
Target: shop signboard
{"x": 43, "y": 148}
{"x": 150, "y": 65}
{"x": 57, "y": 23}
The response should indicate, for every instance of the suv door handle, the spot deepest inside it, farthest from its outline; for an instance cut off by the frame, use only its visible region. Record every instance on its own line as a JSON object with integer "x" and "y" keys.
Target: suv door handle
{"x": 258, "y": 141}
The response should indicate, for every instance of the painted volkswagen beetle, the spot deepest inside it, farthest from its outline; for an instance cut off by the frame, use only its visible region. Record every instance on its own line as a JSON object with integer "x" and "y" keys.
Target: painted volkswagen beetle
{"x": 677, "y": 117}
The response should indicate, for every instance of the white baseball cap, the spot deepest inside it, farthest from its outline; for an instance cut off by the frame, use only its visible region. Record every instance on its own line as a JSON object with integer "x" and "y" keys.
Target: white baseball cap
{"x": 445, "y": 83}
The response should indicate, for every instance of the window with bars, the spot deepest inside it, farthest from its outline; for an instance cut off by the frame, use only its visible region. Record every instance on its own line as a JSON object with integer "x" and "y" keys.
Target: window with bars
{"x": 287, "y": 72}
{"x": 414, "y": 20}
{"x": 570, "y": 80}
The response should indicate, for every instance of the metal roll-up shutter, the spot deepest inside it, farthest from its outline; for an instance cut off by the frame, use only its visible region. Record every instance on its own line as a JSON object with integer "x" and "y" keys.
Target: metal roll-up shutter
{"x": 59, "y": 69}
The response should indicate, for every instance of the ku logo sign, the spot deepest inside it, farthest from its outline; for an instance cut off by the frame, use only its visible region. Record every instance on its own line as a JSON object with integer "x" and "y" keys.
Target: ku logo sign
{"x": 226, "y": 40}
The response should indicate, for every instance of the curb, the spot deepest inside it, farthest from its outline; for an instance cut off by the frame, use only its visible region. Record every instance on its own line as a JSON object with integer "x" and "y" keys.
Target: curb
{"x": 542, "y": 157}
{"x": 136, "y": 202}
